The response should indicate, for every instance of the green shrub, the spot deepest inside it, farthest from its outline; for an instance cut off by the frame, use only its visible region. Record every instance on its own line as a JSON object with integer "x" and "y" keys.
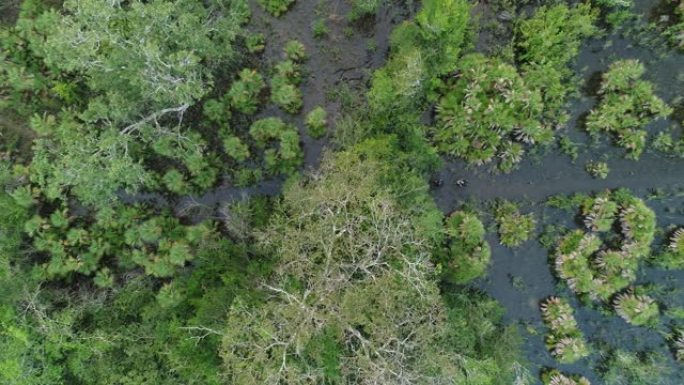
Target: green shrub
{"x": 285, "y": 90}
{"x": 319, "y": 29}
{"x": 421, "y": 52}
{"x": 591, "y": 269}
{"x": 287, "y": 96}
{"x": 444, "y": 32}
{"x": 673, "y": 255}
{"x": 364, "y": 8}
{"x": 677, "y": 343}
{"x": 546, "y": 44}
{"x": 598, "y": 169}
{"x": 255, "y": 42}
{"x": 565, "y": 340}
{"x": 513, "y": 227}
{"x": 554, "y": 377}
{"x": 636, "y": 309}
{"x": 244, "y": 93}
{"x": 627, "y": 105}
{"x": 175, "y": 182}
{"x": 276, "y": 7}
{"x": 119, "y": 238}
{"x": 235, "y": 148}
{"x": 634, "y": 368}
{"x": 568, "y": 147}
{"x": 599, "y": 213}
{"x": 675, "y": 32}
{"x": 295, "y": 51}
{"x": 15, "y": 204}
{"x": 663, "y": 142}
{"x": 486, "y": 108}
{"x": 287, "y": 155}
{"x": 217, "y": 111}
{"x": 316, "y": 122}
{"x": 468, "y": 252}
{"x": 190, "y": 149}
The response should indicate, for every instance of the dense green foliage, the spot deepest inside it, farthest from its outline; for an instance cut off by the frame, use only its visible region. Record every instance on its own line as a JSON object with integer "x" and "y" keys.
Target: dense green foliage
{"x": 547, "y": 44}
{"x": 589, "y": 267}
{"x": 353, "y": 299}
{"x": 421, "y": 52}
{"x": 488, "y": 112}
{"x": 636, "y": 309}
{"x": 468, "y": 252}
{"x": 127, "y": 72}
{"x": 97, "y": 288}
{"x": 316, "y": 122}
{"x": 490, "y": 109}
{"x": 156, "y": 226}
{"x": 564, "y": 340}
{"x": 554, "y": 377}
{"x": 514, "y": 228}
{"x": 244, "y": 93}
{"x": 642, "y": 368}
{"x": 285, "y": 82}
{"x": 627, "y": 105}
{"x": 673, "y": 255}
{"x": 276, "y": 7}
{"x": 676, "y": 31}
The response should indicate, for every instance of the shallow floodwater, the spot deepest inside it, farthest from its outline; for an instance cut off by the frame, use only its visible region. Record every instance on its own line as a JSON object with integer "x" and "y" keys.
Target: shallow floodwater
{"x": 520, "y": 278}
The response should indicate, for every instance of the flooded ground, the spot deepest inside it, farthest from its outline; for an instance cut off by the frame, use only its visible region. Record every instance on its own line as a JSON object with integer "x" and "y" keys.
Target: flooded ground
{"x": 519, "y": 279}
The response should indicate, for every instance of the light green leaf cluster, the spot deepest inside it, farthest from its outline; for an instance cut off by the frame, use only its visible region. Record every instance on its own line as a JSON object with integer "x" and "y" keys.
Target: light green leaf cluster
{"x": 276, "y": 7}
{"x": 591, "y": 268}
{"x": 468, "y": 253}
{"x": 285, "y": 82}
{"x": 565, "y": 340}
{"x": 627, "y": 105}
{"x": 141, "y": 57}
{"x": 244, "y": 93}
{"x": 514, "y": 228}
{"x": 487, "y": 111}
{"x": 287, "y": 155}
